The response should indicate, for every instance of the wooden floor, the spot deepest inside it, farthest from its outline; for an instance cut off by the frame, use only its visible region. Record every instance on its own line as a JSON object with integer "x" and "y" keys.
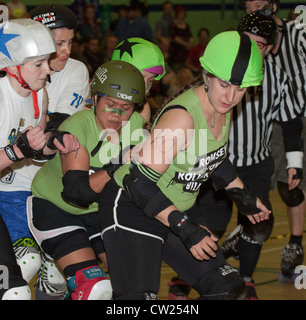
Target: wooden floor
{"x": 266, "y": 274}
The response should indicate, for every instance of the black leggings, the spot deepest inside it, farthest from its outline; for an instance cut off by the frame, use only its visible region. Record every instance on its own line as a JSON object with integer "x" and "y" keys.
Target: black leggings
{"x": 135, "y": 249}
{"x": 8, "y": 259}
{"x": 134, "y": 262}
{"x": 7, "y": 255}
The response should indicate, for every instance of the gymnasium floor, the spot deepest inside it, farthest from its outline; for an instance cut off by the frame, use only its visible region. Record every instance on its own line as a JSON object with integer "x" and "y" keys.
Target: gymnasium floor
{"x": 266, "y": 274}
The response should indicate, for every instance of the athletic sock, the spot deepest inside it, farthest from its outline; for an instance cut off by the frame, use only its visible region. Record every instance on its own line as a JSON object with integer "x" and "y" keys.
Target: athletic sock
{"x": 248, "y": 255}
{"x": 71, "y": 270}
{"x": 296, "y": 239}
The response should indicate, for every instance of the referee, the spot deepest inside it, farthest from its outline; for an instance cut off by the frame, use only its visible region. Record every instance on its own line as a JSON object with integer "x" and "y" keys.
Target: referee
{"x": 289, "y": 53}
{"x": 250, "y": 152}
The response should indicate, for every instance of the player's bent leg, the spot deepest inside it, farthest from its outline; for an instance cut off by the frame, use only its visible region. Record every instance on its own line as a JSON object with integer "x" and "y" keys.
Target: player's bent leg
{"x": 222, "y": 283}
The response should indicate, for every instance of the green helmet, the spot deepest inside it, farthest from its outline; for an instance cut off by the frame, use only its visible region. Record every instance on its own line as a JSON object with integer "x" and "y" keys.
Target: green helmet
{"x": 120, "y": 80}
{"x": 234, "y": 57}
{"x": 143, "y": 54}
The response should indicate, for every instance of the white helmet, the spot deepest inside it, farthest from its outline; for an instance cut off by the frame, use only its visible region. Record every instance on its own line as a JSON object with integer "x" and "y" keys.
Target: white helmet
{"x": 22, "y": 40}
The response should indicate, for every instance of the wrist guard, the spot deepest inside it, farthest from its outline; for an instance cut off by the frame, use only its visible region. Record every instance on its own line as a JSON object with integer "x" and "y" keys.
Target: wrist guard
{"x": 116, "y": 163}
{"x": 55, "y": 134}
{"x": 25, "y": 148}
{"x": 189, "y": 232}
{"x": 299, "y": 173}
{"x": 244, "y": 200}
{"x": 11, "y": 154}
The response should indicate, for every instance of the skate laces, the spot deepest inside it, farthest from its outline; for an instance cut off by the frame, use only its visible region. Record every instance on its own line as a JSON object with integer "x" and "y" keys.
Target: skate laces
{"x": 26, "y": 242}
{"x": 231, "y": 241}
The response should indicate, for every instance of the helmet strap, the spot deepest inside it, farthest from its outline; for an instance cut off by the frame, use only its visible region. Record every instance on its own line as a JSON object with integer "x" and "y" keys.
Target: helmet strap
{"x": 25, "y": 86}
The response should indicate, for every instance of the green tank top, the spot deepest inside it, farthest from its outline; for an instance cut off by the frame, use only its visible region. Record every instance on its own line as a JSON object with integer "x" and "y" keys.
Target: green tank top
{"x": 190, "y": 168}
{"x": 47, "y": 183}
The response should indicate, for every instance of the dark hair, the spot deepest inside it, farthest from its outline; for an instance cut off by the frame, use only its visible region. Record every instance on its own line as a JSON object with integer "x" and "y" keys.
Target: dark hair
{"x": 242, "y": 4}
{"x": 2, "y": 73}
{"x": 203, "y": 29}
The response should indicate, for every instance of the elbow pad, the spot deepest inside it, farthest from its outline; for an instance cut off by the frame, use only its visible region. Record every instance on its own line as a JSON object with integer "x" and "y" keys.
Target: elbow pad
{"x": 77, "y": 191}
{"x": 140, "y": 185}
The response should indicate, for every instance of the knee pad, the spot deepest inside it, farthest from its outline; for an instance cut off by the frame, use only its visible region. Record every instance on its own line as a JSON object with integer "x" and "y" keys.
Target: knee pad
{"x": 28, "y": 257}
{"x": 258, "y": 232}
{"x": 17, "y": 287}
{"x": 291, "y": 198}
{"x": 50, "y": 280}
{"x": 18, "y": 293}
{"x": 137, "y": 296}
{"x": 222, "y": 283}
{"x": 90, "y": 284}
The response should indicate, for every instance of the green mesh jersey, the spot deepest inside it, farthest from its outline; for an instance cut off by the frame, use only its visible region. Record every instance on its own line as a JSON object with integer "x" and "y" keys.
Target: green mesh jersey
{"x": 47, "y": 183}
{"x": 190, "y": 168}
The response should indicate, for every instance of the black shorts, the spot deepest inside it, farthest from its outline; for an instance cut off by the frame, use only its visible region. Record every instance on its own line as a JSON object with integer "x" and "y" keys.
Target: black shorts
{"x": 117, "y": 210}
{"x": 59, "y": 232}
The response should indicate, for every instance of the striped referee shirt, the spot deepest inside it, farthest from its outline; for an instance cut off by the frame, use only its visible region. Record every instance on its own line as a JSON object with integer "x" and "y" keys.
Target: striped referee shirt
{"x": 291, "y": 57}
{"x": 252, "y": 119}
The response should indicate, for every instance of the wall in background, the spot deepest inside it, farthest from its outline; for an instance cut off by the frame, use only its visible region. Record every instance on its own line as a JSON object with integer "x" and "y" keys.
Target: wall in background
{"x": 217, "y": 16}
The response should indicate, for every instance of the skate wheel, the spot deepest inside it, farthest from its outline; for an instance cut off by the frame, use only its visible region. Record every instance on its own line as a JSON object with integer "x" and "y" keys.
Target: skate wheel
{"x": 284, "y": 279}
{"x": 294, "y": 276}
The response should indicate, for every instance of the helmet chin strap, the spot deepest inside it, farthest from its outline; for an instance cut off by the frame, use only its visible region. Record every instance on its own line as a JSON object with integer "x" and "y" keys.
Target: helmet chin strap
{"x": 26, "y": 86}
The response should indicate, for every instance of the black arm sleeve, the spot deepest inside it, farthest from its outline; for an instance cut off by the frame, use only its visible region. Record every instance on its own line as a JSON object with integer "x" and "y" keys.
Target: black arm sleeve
{"x": 223, "y": 175}
{"x": 293, "y": 133}
{"x": 55, "y": 120}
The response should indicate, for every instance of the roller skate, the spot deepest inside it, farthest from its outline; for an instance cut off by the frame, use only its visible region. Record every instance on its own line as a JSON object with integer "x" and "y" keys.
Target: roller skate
{"x": 229, "y": 247}
{"x": 292, "y": 255}
{"x": 178, "y": 289}
{"x": 90, "y": 283}
{"x": 51, "y": 284}
{"x": 28, "y": 257}
{"x": 250, "y": 287}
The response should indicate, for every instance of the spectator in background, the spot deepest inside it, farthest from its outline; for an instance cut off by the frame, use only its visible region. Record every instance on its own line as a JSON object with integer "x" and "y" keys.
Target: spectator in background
{"x": 192, "y": 61}
{"x": 93, "y": 55}
{"x": 183, "y": 77}
{"x": 78, "y": 7}
{"x": 17, "y": 9}
{"x": 77, "y": 51}
{"x": 90, "y": 28}
{"x": 122, "y": 13}
{"x": 162, "y": 31}
{"x": 181, "y": 39}
{"x": 134, "y": 25}
{"x": 108, "y": 47}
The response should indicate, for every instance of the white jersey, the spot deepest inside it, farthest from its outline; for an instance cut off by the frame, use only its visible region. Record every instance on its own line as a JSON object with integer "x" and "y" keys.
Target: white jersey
{"x": 68, "y": 88}
{"x": 16, "y": 114}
